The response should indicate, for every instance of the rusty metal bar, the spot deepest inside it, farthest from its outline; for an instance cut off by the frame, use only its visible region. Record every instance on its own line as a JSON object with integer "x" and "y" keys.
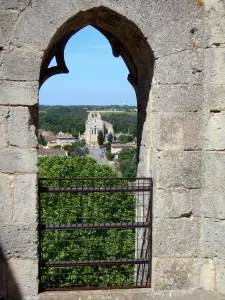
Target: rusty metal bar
{"x": 94, "y": 263}
{"x": 94, "y": 189}
{"x": 94, "y": 226}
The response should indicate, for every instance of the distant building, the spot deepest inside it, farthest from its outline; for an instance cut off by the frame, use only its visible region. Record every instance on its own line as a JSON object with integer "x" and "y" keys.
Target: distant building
{"x": 94, "y": 125}
{"x": 61, "y": 139}
{"x": 51, "y": 152}
{"x": 116, "y": 148}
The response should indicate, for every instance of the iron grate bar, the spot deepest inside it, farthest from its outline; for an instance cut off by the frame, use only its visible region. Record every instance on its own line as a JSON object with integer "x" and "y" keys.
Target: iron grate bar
{"x": 94, "y": 189}
{"x": 95, "y": 263}
{"x": 94, "y": 226}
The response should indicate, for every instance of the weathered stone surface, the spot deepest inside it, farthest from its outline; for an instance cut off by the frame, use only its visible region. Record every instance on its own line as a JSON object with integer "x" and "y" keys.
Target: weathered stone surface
{"x": 125, "y": 294}
{"x": 7, "y": 19}
{"x": 6, "y": 200}
{"x": 19, "y": 93}
{"x": 184, "y": 34}
{"x": 177, "y": 131}
{"x": 175, "y": 203}
{"x": 212, "y": 238}
{"x": 179, "y": 169}
{"x": 14, "y": 4}
{"x": 213, "y": 170}
{"x": 189, "y": 64}
{"x": 212, "y": 203}
{"x": 21, "y": 128}
{"x": 207, "y": 275}
{"x": 175, "y": 237}
{"x": 22, "y": 278}
{"x": 174, "y": 274}
{"x": 18, "y": 241}
{"x": 19, "y": 64}
{"x": 4, "y": 114}
{"x": 214, "y": 135}
{"x": 177, "y": 98}
{"x": 214, "y": 97}
{"x": 220, "y": 275}
{"x": 215, "y": 66}
{"x": 193, "y": 128}
{"x": 52, "y": 13}
{"x": 25, "y": 199}
{"x": 18, "y": 160}
{"x": 169, "y": 131}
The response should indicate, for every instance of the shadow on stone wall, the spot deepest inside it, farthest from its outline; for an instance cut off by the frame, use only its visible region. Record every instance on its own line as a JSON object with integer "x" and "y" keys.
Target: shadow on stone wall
{"x": 9, "y": 289}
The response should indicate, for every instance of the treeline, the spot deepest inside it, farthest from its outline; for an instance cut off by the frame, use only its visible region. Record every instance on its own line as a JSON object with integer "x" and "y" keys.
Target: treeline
{"x": 72, "y": 118}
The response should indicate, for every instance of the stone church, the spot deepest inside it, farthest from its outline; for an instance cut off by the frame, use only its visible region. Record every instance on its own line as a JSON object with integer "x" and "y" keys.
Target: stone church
{"x": 94, "y": 125}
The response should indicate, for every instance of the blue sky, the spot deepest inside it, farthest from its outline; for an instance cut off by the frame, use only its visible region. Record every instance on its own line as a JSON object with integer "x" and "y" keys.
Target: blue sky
{"x": 96, "y": 77}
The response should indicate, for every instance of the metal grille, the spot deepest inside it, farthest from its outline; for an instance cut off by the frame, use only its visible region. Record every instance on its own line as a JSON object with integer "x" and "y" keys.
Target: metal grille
{"x": 94, "y": 233}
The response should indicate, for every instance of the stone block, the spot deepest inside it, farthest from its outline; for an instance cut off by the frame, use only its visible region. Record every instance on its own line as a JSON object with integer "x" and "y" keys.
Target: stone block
{"x": 7, "y": 19}
{"x": 19, "y": 93}
{"x": 179, "y": 169}
{"x": 212, "y": 238}
{"x": 212, "y": 203}
{"x": 189, "y": 63}
{"x": 214, "y": 97}
{"x": 169, "y": 131}
{"x": 20, "y": 65}
{"x": 18, "y": 160}
{"x": 43, "y": 16}
{"x": 207, "y": 274}
{"x": 22, "y": 278}
{"x": 6, "y": 201}
{"x": 220, "y": 275}
{"x": 184, "y": 34}
{"x": 176, "y": 98}
{"x": 214, "y": 66}
{"x": 177, "y": 131}
{"x": 175, "y": 274}
{"x": 175, "y": 237}
{"x": 22, "y": 128}
{"x": 214, "y": 133}
{"x": 193, "y": 130}
{"x": 4, "y": 114}
{"x": 25, "y": 199}
{"x": 213, "y": 171}
{"x": 14, "y": 4}
{"x": 175, "y": 203}
{"x": 19, "y": 241}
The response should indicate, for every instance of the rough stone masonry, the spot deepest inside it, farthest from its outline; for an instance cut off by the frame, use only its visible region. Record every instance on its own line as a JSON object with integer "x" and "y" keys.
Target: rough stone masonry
{"x": 175, "y": 53}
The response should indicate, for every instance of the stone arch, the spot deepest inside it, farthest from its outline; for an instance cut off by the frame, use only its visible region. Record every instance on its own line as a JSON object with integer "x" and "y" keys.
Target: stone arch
{"x": 126, "y": 40}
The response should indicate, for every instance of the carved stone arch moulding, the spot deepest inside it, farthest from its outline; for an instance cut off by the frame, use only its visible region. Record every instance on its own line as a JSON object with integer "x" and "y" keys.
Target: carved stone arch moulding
{"x": 123, "y": 35}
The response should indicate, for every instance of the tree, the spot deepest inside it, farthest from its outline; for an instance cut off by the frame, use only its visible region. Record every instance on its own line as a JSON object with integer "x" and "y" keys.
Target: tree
{"x": 41, "y": 140}
{"x": 127, "y": 163}
{"x": 94, "y": 208}
{"x": 100, "y": 138}
{"x": 110, "y": 138}
{"x": 125, "y": 139}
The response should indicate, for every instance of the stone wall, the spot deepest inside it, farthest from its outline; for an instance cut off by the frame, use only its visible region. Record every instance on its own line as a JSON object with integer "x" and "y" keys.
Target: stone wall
{"x": 181, "y": 133}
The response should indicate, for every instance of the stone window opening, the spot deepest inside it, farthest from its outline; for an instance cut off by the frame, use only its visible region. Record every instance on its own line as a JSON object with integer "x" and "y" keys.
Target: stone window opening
{"x": 126, "y": 41}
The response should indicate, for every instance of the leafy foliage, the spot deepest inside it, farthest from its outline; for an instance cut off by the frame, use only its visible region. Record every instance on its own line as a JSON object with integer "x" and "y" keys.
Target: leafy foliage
{"x": 100, "y": 138}
{"x": 65, "y": 208}
{"x": 123, "y": 139}
{"x": 127, "y": 162}
{"x": 41, "y": 140}
{"x": 110, "y": 138}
